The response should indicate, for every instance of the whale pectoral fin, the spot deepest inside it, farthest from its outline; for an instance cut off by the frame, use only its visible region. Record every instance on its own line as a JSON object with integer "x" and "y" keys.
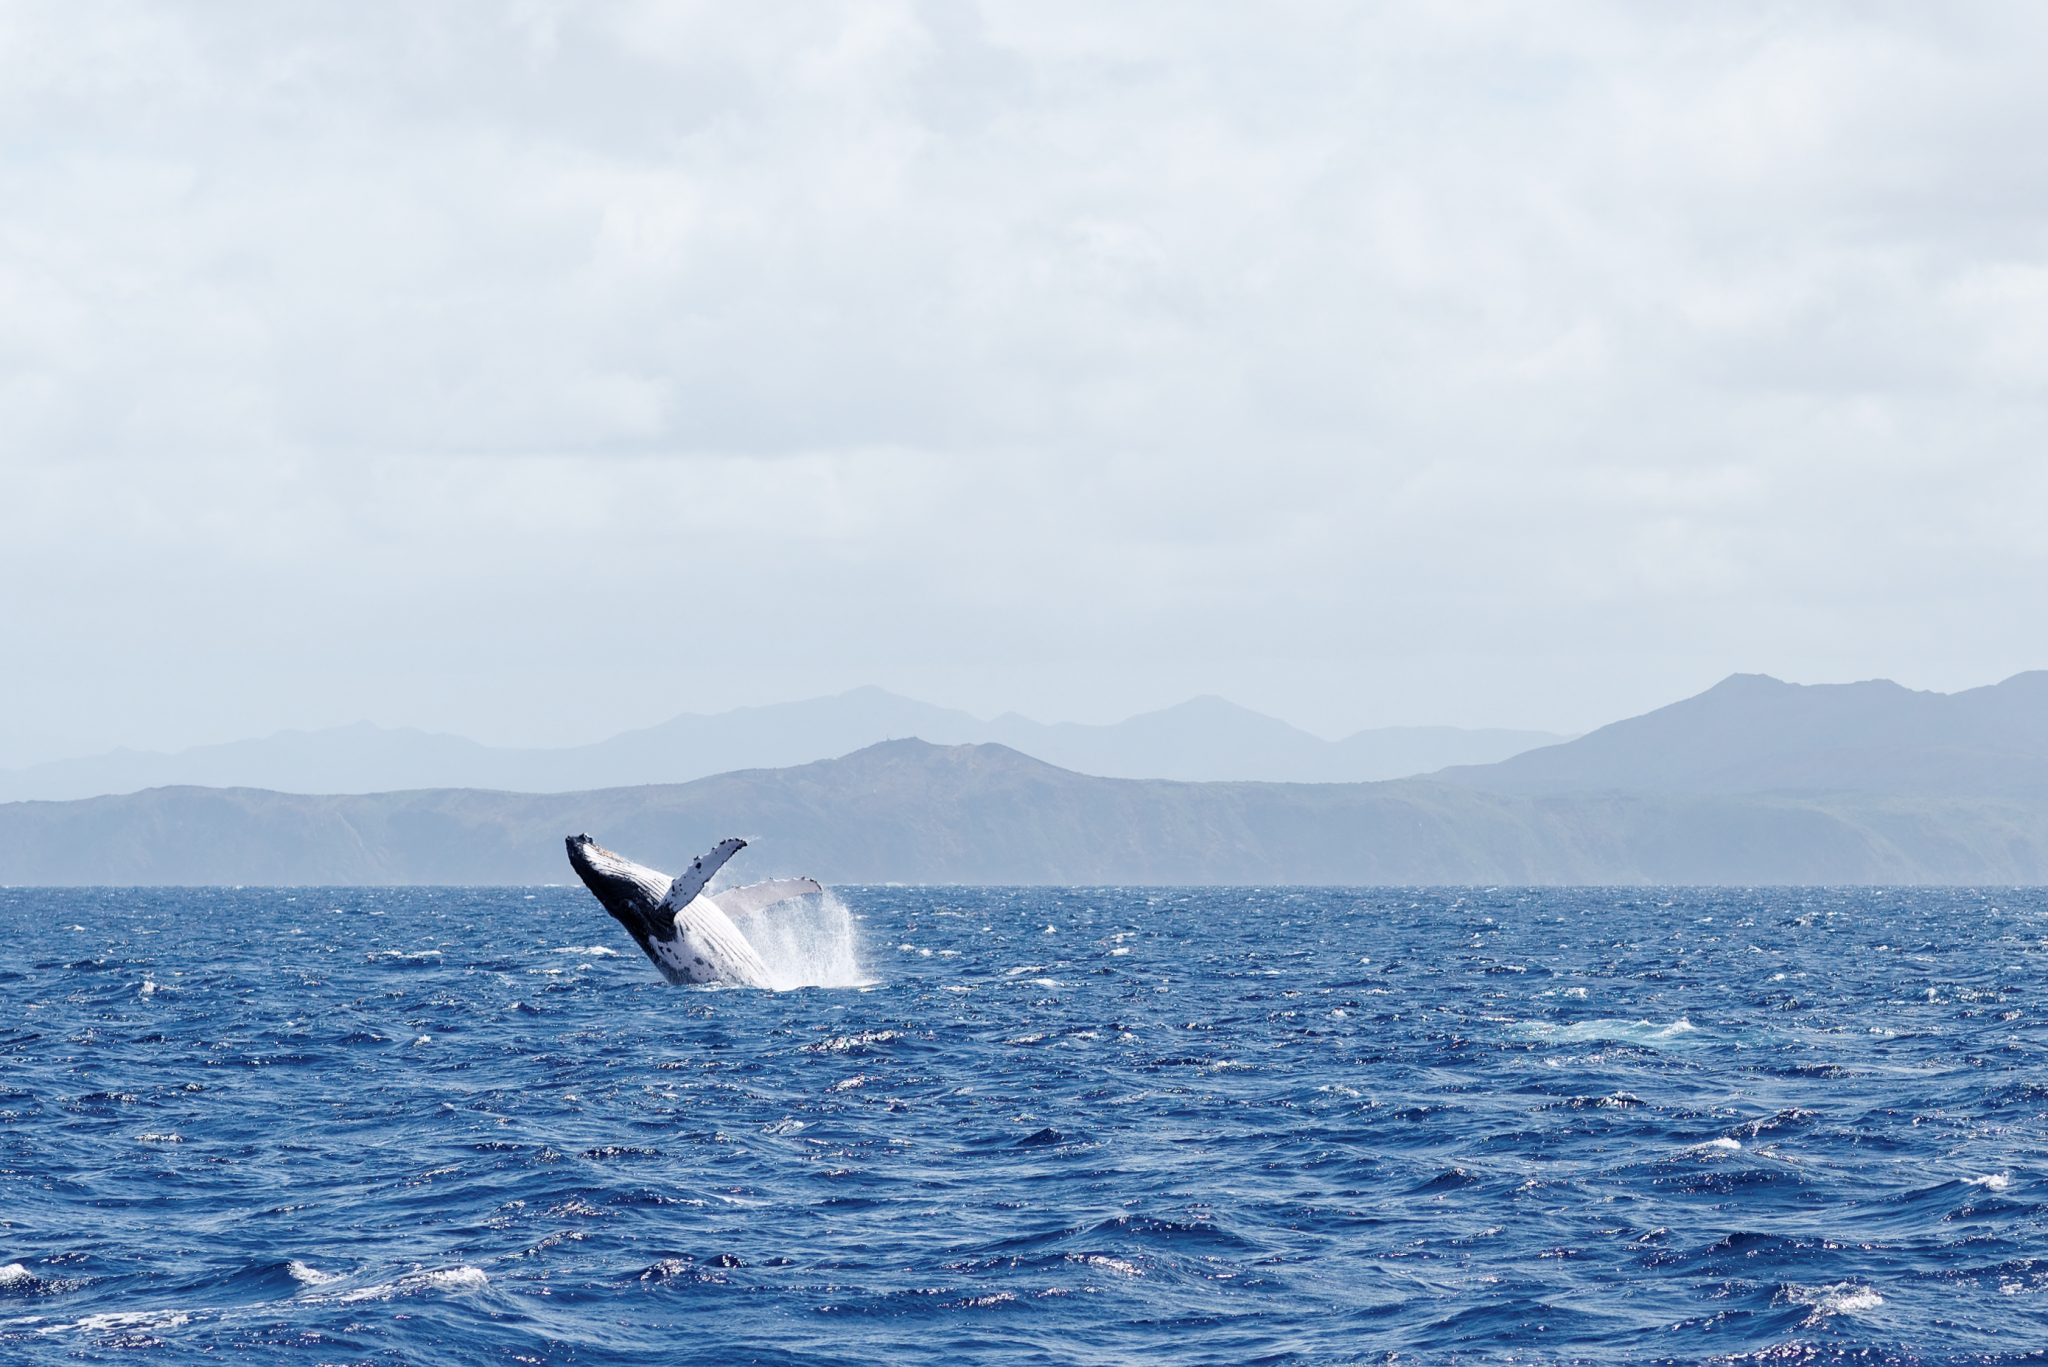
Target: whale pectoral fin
{"x": 691, "y": 881}
{"x": 754, "y": 896}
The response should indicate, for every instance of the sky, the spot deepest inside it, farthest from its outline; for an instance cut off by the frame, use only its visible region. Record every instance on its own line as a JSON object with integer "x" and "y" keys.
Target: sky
{"x": 534, "y": 370}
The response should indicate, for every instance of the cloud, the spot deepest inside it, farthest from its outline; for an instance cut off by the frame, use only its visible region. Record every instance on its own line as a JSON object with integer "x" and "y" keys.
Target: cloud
{"x": 1366, "y": 363}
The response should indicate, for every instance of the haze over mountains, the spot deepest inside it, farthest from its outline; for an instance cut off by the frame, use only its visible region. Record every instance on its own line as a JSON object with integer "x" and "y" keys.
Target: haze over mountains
{"x": 1203, "y": 739}
{"x": 909, "y": 811}
{"x": 1753, "y": 781}
{"x": 1751, "y": 733}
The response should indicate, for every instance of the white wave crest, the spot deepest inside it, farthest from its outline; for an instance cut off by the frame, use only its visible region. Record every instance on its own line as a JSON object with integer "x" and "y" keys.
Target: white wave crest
{"x": 1836, "y": 1298}
{"x": 450, "y": 1279}
{"x": 126, "y": 1321}
{"x": 840, "y": 1044}
{"x": 1103, "y": 1260}
{"x": 1612, "y": 1031}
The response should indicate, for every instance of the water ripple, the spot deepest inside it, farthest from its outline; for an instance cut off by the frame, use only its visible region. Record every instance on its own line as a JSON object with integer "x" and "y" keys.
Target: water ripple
{"x": 1062, "y": 1125}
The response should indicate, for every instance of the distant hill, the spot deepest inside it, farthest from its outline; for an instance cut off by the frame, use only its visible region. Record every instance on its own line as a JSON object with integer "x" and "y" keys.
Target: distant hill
{"x": 1207, "y": 738}
{"x": 914, "y": 812}
{"x": 1211, "y": 739}
{"x": 1754, "y": 734}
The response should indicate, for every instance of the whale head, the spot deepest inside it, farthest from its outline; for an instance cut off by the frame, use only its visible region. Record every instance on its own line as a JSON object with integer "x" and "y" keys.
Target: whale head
{"x": 631, "y": 892}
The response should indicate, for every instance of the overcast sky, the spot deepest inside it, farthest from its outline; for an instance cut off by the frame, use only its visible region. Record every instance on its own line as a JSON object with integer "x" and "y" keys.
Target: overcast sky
{"x": 534, "y": 370}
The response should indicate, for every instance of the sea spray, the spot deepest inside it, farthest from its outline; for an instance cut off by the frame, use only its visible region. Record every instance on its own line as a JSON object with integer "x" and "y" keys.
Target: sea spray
{"x": 806, "y": 942}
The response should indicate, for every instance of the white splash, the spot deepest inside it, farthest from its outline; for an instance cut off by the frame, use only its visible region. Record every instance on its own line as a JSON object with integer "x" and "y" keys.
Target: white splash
{"x": 806, "y": 942}
{"x": 1103, "y": 1260}
{"x": 125, "y": 1321}
{"x": 439, "y": 1279}
{"x": 1836, "y": 1298}
{"x": 1611, "y": 1031}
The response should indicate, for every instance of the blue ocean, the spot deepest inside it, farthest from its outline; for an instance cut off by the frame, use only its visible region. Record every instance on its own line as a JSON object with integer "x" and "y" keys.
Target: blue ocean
{"x": 1026, "y": 1125}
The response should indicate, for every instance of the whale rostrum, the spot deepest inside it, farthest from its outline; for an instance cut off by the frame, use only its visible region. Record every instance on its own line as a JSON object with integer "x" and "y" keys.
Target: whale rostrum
{"x": 689, "y": 936}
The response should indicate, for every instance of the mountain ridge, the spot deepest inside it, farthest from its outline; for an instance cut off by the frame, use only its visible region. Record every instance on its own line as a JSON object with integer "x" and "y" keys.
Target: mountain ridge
{"x": 909, "y": 811}
{"x": 1210, "y": 743}
{"x": 1756, "y": 733}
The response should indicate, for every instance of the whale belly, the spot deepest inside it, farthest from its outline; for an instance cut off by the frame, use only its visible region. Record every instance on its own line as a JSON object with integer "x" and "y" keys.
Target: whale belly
{"x": 708, "y": 948}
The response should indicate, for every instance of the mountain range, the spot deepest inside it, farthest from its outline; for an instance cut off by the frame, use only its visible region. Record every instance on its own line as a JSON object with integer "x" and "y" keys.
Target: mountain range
{"x": 909, "y": 811}
{"x": 1203, "y": 739}
{"x": 1754, "y": 781}
{"x": 1751, "y": 733}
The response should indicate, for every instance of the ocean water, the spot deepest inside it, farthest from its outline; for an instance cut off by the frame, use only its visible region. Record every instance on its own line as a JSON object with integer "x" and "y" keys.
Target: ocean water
{"x": 1089, "y": 1126}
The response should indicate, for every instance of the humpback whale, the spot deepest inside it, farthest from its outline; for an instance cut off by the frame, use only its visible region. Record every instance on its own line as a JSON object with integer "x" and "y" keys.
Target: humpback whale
{"x": 690, "y": 937}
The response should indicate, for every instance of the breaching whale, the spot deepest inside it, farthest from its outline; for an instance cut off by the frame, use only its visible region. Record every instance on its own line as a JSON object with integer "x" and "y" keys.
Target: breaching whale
{"x": 690, "y": 937}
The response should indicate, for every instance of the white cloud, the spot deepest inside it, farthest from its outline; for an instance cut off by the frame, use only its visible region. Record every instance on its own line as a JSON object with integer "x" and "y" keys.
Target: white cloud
{"x": 1365, "y": 363}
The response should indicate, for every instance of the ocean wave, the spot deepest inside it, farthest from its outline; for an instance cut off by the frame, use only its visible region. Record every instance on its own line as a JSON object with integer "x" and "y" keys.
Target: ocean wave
{"x": 460, "y": 1280}
{"x": 1835, "y": 1298}
{"x": 1300, "y": 1126}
